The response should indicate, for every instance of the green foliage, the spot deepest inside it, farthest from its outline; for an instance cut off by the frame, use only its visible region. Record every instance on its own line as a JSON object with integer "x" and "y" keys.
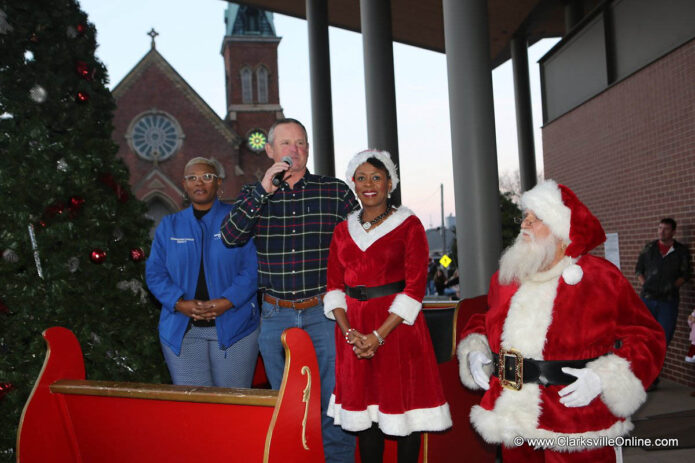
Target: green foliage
{"x": 508, "y": 211}
{"x": 55, "y": 148}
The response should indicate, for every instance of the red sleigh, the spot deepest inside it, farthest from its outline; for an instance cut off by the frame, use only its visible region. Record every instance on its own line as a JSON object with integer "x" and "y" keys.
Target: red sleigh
{"x": 69, "y": 419}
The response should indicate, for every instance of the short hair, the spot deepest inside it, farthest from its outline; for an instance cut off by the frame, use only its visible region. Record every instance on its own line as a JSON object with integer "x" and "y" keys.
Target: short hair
{"x": 379, "y": 165}
{"x": 669, "y": 221}
{"x": 202, "y": 160}
{"x": 287, "y": 120}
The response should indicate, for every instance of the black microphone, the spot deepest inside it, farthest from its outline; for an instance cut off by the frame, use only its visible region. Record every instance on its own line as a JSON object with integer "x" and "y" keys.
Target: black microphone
{"x": 280, "y": 176}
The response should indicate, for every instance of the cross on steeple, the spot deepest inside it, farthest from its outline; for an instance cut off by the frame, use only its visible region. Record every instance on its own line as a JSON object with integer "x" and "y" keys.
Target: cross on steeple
{"x": 152, "y": 33}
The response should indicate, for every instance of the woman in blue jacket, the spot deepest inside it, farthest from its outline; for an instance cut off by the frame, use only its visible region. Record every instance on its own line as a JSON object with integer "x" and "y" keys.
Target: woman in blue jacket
{"x": 209, "y": 322}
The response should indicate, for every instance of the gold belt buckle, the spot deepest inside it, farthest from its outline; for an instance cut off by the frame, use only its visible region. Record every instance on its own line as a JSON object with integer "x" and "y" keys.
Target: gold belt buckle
{"x": 518, "y": 372}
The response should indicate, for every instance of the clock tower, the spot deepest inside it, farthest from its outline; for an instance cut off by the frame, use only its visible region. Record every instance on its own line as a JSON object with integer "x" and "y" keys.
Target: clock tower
{"x": 251, "y": 80}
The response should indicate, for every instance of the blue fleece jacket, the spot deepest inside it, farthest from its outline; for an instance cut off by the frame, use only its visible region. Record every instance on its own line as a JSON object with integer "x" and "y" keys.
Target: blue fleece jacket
{"x": 172, "y": 272}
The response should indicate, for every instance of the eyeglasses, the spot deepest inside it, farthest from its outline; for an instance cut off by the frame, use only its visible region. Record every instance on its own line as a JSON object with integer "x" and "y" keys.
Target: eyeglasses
{"x": 207, "y": 178}
{"x": 527, "y": 220}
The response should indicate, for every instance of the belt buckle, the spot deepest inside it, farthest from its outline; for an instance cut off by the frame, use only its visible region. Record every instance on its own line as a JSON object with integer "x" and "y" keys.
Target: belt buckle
{"x": 302, "y": 301}
{"x": 518, "y": 381}
{"x": 362, "y": 290}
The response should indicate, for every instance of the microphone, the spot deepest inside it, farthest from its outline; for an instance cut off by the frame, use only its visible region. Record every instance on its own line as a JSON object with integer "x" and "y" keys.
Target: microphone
{"x": 280, "y": 176}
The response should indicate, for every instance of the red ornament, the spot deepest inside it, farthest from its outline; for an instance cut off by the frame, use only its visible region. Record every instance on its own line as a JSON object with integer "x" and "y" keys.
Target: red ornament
{"x": 5, "y": 388}
{"x": 83, "y": 70}
{"x": 137, "y": 255}
{"x": 3, "y": 307}
{"x": 98, "y": 256}
{"x": 76, "y": 203}
{"x": 81, "y": 28}
{"x": 82, "y": 97}
{"x": 121, "y": 194}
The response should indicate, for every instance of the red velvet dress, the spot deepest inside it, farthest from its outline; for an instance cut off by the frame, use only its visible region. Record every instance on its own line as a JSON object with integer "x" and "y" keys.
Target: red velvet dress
{"x": 399, "y": 388}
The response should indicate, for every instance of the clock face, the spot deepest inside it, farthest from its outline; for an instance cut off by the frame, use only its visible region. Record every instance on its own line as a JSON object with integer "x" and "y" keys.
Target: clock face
{"x": 256, "y": 140}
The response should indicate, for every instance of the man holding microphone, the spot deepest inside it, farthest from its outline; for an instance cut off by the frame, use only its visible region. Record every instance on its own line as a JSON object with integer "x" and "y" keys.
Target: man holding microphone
{"x": 291, "y": 215}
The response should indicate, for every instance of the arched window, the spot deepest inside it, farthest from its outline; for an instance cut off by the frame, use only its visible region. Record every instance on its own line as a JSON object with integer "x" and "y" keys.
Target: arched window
{"x": 246, "y": 86}
{"x": 262, "y": 81}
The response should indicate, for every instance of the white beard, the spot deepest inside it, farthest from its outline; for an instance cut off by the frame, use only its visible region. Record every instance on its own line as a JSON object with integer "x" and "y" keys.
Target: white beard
{"x": 525, "y": 258}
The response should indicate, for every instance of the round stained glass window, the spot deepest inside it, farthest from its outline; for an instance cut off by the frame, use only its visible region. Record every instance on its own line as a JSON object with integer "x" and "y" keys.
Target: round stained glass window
{"x": 155, "y": 135}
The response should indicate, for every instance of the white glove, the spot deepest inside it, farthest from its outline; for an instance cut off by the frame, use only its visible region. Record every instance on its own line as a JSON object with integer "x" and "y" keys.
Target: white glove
{"x": 581, "y": 392}
{"x": 476, "y": 360}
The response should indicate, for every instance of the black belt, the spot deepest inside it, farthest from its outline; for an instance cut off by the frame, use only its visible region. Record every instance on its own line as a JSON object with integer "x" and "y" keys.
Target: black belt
{"x": 364, "y": 293}
{"x": 203, "y": 323}
{"x": 518, "y": 370}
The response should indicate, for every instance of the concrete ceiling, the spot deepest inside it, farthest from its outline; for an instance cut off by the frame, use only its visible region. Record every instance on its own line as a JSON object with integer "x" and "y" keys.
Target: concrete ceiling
{"x": 419, "y": 22}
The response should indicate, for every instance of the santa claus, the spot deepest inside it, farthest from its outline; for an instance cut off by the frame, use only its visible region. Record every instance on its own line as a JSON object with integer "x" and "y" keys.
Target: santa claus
{"x": 566, "y": 349}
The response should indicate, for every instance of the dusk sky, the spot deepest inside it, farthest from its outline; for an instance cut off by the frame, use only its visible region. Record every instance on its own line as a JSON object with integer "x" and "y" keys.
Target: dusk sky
{"x": 190, "y": 38}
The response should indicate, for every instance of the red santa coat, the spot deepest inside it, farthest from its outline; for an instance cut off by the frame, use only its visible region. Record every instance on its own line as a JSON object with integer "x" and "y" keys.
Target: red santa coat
{"x": 399, "y": 388}
{"x": 546, "y": 318}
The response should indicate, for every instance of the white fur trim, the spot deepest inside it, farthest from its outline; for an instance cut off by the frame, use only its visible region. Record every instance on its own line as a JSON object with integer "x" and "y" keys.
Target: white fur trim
{"x": 472, "y": 342}
{"x": 401, "y": 424}
{"x": 363, "y": 239}
{"x": 545, "y": 200}
{"x": 530, "y": 314}
{"x": 333, "y": 300}
{"x": 573, "y": 274}
{"x": 621, "y": 391}
{"x": 406, "y": 307}
{"x": 361, "y": 157}
{"x": 516, "y": 415}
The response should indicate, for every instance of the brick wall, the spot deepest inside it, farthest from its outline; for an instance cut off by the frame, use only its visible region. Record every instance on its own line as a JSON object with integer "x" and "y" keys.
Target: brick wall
{"x": 155, "y": 89}
{"x": 629, "y": 154}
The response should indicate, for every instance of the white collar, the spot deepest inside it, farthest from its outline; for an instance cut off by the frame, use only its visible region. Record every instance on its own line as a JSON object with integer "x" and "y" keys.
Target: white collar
{"x": 363, "y": 239}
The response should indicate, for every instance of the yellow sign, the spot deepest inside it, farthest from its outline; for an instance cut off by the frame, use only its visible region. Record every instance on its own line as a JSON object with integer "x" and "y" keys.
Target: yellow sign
{"x": 445, "y": 261}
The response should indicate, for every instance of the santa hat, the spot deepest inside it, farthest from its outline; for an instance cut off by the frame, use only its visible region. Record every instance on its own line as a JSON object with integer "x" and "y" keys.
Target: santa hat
{"x": 361, "y": 157}
{"x": 568, "y": 219}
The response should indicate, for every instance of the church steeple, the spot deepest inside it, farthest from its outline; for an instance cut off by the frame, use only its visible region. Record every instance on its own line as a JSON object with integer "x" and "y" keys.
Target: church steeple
{"x": 250, "y": 50}
{"x": 248, "y": 20}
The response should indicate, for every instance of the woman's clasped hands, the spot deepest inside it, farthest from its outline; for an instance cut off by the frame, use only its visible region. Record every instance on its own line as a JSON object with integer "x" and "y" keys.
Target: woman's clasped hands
{"x": 363, "y": 345}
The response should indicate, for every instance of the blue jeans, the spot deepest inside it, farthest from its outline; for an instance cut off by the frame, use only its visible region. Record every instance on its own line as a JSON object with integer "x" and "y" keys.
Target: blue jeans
{"x": 338, "y": 445}
{"x": 203, "y": 363}
{"x": 666, "y": 313}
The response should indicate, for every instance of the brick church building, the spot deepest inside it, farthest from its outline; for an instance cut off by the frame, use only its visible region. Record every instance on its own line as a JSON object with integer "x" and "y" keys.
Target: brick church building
{"x": 160, "y": 122}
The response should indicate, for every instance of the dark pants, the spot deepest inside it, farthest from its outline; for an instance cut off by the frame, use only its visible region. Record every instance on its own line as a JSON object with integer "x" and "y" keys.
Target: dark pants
{"x": 666, "y": 313}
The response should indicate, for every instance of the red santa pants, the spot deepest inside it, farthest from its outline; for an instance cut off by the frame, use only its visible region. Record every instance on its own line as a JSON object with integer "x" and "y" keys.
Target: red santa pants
{"x": 526, "y": 454}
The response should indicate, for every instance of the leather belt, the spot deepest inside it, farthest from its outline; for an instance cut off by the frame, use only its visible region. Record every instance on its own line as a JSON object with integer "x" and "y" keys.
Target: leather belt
{"x": 296, "y": 305}
{"x": 526, "y": 370}
{"x": 203, "y": 323}
{"x": 364, "y": 293}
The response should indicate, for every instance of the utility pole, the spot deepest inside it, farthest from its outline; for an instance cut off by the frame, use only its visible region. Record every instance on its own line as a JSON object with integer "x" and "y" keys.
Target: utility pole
{"x": 441, "y": 196}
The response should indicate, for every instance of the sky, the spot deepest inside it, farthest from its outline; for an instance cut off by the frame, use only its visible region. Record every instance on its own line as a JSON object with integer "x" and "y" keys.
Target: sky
{"x": 190, "y": 38}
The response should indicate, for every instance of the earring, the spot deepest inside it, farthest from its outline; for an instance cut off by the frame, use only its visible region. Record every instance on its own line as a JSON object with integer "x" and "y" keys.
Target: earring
{"x": 389, "y": 195}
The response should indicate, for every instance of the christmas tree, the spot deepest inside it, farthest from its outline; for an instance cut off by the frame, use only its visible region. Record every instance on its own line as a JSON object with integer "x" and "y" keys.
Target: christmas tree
{"x": 73, "y": 238}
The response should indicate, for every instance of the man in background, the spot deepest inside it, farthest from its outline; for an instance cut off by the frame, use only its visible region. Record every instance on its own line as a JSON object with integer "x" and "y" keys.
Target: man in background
{"x": 662, "y": 268}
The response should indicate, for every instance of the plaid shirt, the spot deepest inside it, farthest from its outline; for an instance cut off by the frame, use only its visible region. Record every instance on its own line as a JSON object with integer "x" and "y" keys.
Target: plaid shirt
{"x": 293, "y": 230}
